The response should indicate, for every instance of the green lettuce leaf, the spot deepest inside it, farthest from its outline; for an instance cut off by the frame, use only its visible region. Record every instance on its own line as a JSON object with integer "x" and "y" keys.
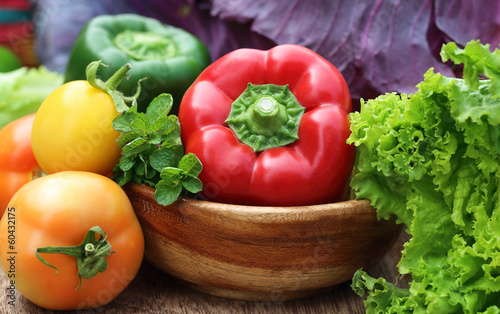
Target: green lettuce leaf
{"x": 432, "y": 160}
{"x": 23, "y": 90}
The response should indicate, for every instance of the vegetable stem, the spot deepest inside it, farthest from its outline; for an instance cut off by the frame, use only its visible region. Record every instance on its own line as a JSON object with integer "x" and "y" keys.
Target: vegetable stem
{"x": 90, "y": 254}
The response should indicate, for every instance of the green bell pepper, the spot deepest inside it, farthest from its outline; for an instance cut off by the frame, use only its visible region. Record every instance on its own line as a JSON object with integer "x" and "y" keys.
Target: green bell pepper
{"x": 169, "y": 57}
{"x": 9, "y": 61}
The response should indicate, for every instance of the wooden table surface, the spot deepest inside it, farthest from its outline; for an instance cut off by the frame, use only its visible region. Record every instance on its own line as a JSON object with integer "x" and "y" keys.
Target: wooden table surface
{"x": 153, "y": 291}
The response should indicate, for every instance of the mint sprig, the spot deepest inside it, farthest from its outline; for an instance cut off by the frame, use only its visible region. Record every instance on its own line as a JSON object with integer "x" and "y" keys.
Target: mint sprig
{"x": 152, "y": 152}
{"x": 174, "y": 180}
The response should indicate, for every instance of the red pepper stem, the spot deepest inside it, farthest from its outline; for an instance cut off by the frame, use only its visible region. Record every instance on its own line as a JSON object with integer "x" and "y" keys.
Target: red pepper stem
{"x": 266, "y": 116}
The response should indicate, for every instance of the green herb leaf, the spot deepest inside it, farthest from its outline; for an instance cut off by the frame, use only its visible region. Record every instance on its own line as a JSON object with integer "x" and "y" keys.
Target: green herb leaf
{"x": 154, "y": 139}
{"x": 166, "y": 194}
{"x": 126, "y": 163}
{"x": 152, "y": 152}
{"x": 168, "y": 156}
{"x": 191, "y": 164}
{"x": 135, "y": 146}
{"x": 171, "y": 130}
{"x": 171, "y": 176}
{"x": 140, "y": 124}
{"x": 192, "y": 184}
{"x": 159, "y": 107}
{"x": 122, "y": 122}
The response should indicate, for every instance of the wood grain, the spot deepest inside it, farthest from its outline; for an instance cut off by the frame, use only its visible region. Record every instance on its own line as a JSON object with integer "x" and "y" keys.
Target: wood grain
{"x": 261, "y": 253}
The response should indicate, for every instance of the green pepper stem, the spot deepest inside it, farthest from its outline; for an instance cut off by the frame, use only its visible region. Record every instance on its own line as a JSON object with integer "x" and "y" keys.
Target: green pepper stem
{"x": 141, "y": 45}
{"x": 90, "y": 254}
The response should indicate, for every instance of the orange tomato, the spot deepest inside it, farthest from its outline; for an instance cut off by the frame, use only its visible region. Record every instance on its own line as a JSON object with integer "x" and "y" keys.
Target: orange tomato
{"x": 17, "y": 161}
{"x": 58, "y": 210}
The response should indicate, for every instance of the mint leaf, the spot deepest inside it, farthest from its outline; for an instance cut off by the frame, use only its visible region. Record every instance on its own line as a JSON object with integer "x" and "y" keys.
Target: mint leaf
{"x": 191, "y": 164}
{"x": 173, "y": 179}
{"x": 159, "y": 107}
{"x": 152, "y": 152}
{"x": 123, "y": 179}
{"x": 154, "y": 139}
{"x": 135, "y": 146}
{"x": 189, "y": 167}
{"x": 171, "y": 176}
{"x": 168, "y": 156}
{"x": 122, "y": 122}
{"x": 160, "y": 125}
{"x": 171, "y": 130}
{"x": 140, "y": 125}
{"x": 192, "y": 184}
{"x": 125, "y": 138}
{"x": 165, "y": 194}
{"x": 126, "y": 163}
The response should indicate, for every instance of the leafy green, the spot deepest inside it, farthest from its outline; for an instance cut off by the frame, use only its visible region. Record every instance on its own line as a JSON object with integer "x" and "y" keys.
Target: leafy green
{"x": 432, "y": 160}
{"x": 152, "y": 152}
{"x": 23, "y": 90}
{"x": 175, "y": 179}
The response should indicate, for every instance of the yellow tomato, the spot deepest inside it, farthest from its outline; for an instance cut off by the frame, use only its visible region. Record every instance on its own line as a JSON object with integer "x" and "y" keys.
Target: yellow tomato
{"x": 58, "y": 210}
{"x": 73, "y": 130}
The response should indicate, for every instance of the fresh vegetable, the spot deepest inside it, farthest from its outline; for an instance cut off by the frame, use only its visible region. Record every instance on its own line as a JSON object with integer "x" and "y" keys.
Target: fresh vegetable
{"x": 432, "y": 159}
{"x": 23, "y": 90}
{"x": 9, "y": 61}
{"x": 270, "y": 128}
{"x": 169, "y": 57}
{"x": 370, "y": 42}
{"x": 152, "y": 152}
{"x": 76, "y": 239}
{"x": 17, "y": 163}
{"x": 73, "y": 128}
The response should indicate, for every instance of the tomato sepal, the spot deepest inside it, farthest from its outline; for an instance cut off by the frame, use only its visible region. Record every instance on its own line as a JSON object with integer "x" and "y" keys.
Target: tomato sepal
{"x": 111, "y": 85}
{"x": 90, "y": 254}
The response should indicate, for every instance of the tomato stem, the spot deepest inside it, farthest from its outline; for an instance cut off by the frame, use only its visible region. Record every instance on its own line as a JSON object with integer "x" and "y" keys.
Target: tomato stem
{"x": 115, "y": 80}
{"x": 111, "y": 85}
{"x": 90, "y": 254}
{"x": 89, "y": 249}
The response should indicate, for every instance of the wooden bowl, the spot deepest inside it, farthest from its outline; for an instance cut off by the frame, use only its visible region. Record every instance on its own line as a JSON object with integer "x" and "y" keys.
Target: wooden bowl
{"x": 261, "y": 253}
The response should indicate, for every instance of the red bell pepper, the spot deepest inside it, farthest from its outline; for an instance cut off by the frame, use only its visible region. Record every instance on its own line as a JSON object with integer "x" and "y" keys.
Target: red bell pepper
{"x": 17, "y": 162}
{"x": 270, "y": 128}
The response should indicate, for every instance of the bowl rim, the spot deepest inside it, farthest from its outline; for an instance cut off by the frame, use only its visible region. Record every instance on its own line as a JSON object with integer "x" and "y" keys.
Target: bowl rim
{"x": 306, "y": 212}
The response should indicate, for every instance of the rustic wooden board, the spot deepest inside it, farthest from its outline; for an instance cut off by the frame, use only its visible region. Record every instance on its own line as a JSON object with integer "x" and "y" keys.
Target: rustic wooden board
{"x": 153, "y": 291}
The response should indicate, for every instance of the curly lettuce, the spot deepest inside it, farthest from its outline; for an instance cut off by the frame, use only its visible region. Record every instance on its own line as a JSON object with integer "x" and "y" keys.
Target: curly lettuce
{"x": 432, "y": 159}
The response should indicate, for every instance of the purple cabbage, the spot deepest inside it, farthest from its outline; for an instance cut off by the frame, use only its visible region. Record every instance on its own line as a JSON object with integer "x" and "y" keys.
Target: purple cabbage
{"x": 379, "y": 46}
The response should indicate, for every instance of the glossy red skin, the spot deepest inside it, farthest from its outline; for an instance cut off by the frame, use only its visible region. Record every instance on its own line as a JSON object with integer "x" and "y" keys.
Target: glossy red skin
{"x": 17, "y": 161}
{"x": 313, "y": 170}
